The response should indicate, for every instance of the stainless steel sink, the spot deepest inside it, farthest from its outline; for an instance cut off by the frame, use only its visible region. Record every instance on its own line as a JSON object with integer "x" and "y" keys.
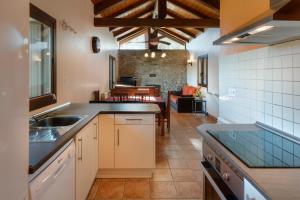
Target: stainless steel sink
{"x": 58, "y": 121}
{"x": 49, "y": 129}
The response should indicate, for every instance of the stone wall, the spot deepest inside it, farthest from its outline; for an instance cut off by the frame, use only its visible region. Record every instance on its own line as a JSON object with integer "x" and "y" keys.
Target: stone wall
{"x": 169, "y": 72}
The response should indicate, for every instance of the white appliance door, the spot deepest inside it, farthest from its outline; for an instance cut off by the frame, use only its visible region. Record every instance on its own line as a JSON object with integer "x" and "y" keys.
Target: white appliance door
{"x": 57, "y": 181}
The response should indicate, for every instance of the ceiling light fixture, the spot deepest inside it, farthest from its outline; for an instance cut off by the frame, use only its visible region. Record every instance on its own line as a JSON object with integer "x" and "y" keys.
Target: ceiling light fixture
{"x": 146, "y": 55}
{"x": 163, "y": 55}
{"x": 152, "y": 54}
{"x": 261, "y": 29}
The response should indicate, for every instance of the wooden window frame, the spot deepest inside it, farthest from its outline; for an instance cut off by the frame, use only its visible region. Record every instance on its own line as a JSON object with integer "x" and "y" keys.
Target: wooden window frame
{"x": 200, "y": 70}
{"x": 112, "y": 71}
{"x": 47, "y": 99}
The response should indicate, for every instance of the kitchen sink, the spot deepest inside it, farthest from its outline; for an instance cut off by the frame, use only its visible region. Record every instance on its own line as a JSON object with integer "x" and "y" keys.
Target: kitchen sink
{"x": 49, "y": 129}
{"x": 58, "y": 121}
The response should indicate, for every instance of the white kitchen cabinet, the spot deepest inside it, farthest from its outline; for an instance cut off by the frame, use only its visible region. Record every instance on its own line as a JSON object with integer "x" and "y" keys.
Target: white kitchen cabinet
{"x": 106, "y": 141}
{"x": 134, "y": 146}
{"x": 126, "y": 145}
{"x": 86, "y": 159}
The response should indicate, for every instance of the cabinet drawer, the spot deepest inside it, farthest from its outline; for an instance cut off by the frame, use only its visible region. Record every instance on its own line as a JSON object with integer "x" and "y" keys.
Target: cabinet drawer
{"x": 134, "y": 119}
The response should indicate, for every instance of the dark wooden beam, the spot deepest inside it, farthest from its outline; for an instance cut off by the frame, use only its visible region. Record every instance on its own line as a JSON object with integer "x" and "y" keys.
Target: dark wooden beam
{"x": 175, "y": 15}
{"x": 142, "y": 22}
{"x": 148, "y": 9}
{"x": 121, "y": 31}
{"x": 187, "y": 32}
{"x": 185, "y": 7}
{"x": 176, "y": 35}
{"x": 213, "y": 3}
{"x": 171, "y": 37}
{"x": 131, "y": 34}
{"x": 102, "y": 5}
{"x": 162, "y": 9}
{"x": 128, "y": 8}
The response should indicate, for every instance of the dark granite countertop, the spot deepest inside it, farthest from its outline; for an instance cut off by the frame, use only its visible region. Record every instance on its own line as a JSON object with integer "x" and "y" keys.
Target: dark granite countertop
{"x": 39, "y": 153}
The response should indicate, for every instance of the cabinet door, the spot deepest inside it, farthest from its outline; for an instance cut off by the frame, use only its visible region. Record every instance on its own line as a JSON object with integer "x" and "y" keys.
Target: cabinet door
{"x": 94, "y": 150}
{"x": 86, "y": 159}
{"x": 106, "y": 141}
{"x": 82, "y": 165}
{"x": 134, "y": 146}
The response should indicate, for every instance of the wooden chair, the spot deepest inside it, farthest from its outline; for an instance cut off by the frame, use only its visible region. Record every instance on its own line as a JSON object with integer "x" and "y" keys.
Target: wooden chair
{"x": 165, "y": 117}
{"x": 142, "y": 95}
{"x": 120, "y": 97}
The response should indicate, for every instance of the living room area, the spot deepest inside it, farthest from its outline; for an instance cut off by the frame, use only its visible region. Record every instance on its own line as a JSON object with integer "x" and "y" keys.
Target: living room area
{"x": 179, "y": 76}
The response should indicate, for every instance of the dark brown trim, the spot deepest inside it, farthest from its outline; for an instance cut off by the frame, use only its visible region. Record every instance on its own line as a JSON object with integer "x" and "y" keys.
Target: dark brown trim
{"x": 200, "y": 70}
{"x": 48, "y": 99}
{"x": 41, "y": 101}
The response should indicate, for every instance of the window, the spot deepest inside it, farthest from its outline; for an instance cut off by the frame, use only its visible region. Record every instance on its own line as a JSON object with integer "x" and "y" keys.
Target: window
{"x": 42, "y": 77}
{"x": 203, "y": 70}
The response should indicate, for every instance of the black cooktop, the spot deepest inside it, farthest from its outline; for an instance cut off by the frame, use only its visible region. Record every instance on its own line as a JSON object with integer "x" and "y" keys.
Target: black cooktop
{"x": 260, "y": 148}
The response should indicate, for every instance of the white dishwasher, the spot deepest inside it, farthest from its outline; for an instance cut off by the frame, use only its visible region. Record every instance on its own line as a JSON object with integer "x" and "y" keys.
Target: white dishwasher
{"x": 57, "y": 180}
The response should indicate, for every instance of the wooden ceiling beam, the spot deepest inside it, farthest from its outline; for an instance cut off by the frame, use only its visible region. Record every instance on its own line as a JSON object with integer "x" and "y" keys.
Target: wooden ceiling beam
{"x": 121, "y": 31}
{"x": 102, "y": 5}
{"x": 125, "y": 29}
{"x": 188, "y": 9}
{"x": 131, "y": 34}
{"x": 167, "y": 35}
{"x": 176, "y": 35}
{"x": 148, "y": 10}
{"x": 175, "y": 15}
{"x": 143, "y": 22}
{"x": 127, "y": 9}
{"x": 213, "y": 3}
{"x": 187, "y": 32}
{"x": 162, "y": 9}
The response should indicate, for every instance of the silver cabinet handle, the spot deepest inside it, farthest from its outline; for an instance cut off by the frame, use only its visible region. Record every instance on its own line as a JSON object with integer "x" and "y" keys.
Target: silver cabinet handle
{"x": 80, "y": 157}
{"x": 134, "y": 119}
{"x": 96, "y": 136}
{"x": 118, "y": 135}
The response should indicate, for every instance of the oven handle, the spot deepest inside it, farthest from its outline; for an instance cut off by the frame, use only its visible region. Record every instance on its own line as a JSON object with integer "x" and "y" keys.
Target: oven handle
{"x": 206, "y": 167}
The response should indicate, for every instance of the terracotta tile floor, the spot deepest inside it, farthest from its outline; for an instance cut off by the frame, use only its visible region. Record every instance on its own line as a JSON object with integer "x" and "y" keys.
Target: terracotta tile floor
{"x": 177, "y": 174}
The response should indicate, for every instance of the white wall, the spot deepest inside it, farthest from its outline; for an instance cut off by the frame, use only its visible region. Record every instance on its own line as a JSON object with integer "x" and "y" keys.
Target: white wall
{"x": 79, "y": 71}
{"x": 263, "y": 85}
{"x": 201, "y": 45}
{"x": 14, "y": 93}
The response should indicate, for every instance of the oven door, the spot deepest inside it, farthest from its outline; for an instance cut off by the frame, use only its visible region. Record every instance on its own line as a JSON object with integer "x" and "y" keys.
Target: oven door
{"x": 214, "y": 186}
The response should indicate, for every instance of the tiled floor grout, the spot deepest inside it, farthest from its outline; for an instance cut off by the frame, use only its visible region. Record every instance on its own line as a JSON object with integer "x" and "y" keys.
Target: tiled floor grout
{"x": 181, "y": 179}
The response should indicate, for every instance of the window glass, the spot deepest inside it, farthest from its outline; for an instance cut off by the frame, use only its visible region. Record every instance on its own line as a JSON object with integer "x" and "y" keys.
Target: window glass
{"x": 40, "y": 59}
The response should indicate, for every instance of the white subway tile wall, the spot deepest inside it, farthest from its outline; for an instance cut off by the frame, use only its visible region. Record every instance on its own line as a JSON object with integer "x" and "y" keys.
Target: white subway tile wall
{"x": 266, "y": 82}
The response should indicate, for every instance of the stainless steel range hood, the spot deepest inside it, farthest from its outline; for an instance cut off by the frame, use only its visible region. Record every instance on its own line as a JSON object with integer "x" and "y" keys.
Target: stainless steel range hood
{"x": 281, "y": 23}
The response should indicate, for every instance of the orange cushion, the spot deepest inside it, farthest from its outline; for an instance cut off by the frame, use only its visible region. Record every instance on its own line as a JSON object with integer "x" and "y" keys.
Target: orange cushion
{"x": 188, "y": 90}
{"x": 185, "y": 90}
